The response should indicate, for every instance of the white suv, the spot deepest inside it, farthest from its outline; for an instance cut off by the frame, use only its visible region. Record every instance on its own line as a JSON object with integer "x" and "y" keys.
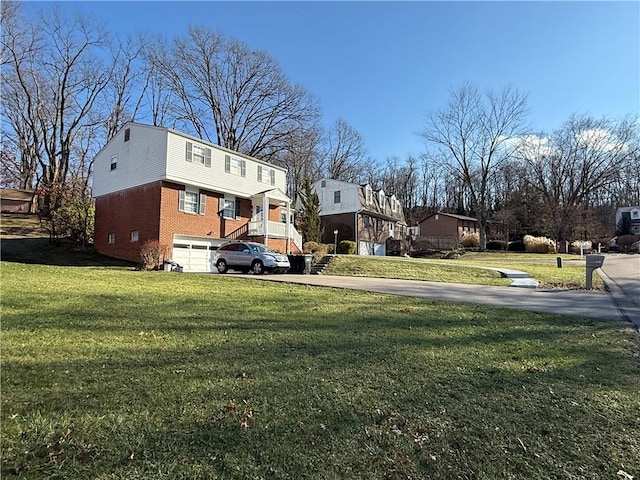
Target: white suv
{"x": 249, "y": 256}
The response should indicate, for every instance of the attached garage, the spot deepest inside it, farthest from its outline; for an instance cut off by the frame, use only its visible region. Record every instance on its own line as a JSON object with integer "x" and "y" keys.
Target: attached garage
{"x": 195, "y": 254}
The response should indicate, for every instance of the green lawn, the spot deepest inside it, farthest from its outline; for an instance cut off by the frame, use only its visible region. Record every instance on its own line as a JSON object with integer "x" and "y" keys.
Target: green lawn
{"x": 110, "y": 373}
{"x": 467, "y": 269}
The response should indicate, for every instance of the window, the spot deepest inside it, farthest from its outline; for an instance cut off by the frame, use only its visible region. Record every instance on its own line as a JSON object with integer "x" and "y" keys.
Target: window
{"x": 134, "y": 236}
{"x": 197, "y": 154}
{"x": 191, "y": 202}
{"x": 111, "y": 239}
{"x": 127, "y": 133}
{"x": 381, "y": 198}
{"x": 235, "y": 166}
{"x": 635, "y": 214}
{"x": 336, "y": 196}
{"x": 368, "y": 194}
{"x": 114, "y": 162}
{"x": 266, "y": 175}
{"x": 366, "y": 221}
{"x": 230, "y": 207}
{"x": 380, "y": 224}
{"x": 323, "y": 183}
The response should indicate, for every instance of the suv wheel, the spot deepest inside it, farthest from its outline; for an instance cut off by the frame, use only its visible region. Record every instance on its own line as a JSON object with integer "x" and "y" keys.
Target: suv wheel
{"x": 257, "y": 267}
{"x": 222, "y": 266}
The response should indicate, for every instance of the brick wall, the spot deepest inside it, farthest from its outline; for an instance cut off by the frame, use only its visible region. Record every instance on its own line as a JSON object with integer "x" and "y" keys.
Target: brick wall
{"x": 120, "y": 213}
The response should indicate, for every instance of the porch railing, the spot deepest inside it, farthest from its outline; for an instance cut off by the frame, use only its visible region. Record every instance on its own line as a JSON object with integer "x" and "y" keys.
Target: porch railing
{"x": 275, "y": 229}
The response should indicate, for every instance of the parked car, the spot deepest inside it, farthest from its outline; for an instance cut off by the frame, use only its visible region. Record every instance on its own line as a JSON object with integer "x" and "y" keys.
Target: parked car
{"x": 249, "y": 256}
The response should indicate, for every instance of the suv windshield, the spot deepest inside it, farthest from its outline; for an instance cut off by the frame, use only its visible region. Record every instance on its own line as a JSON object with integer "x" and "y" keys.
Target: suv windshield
{"x": 261, "y": 249}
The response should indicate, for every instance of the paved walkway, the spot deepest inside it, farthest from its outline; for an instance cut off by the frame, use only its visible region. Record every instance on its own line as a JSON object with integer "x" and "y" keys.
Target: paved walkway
{"x": 621, "y": 275}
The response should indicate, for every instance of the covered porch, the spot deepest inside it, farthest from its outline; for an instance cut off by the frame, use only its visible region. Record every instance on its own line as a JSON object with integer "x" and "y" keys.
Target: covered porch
{"x": 261, "y": 225}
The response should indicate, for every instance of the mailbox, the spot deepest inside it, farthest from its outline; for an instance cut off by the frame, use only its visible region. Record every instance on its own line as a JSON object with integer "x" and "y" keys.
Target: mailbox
{"x": 595, "y": 261}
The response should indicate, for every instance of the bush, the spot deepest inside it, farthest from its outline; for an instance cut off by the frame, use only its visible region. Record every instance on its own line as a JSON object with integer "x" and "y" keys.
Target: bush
{"x": 624, "y": 242}
{"x": 310, "y": 247}
{"x": 539, "y": 244}
{"x": 470, "y": 239}
{"x": 516, "y": 246}
{"x": 347, "y": 247}
{"x": 496, "y": 245}
{"x": 152, "y": 253}
{"x": 574, "y": 247}
{"x": 318, "y": 250}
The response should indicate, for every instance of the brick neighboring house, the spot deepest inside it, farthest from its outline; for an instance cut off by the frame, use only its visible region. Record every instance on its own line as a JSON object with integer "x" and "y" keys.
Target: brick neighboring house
{"x": 359, "y": 214}
{"x": 628, "y": 218}
{"x": 441, "y": 224}
{"x": 155, "y": 183}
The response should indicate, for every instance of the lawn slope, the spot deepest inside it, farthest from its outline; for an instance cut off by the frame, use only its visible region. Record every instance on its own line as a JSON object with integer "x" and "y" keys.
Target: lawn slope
{"x": 114, "y": 373}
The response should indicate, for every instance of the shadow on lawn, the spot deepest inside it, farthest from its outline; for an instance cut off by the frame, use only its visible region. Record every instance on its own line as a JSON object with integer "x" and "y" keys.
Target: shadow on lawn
{"x": 41, "y": 251}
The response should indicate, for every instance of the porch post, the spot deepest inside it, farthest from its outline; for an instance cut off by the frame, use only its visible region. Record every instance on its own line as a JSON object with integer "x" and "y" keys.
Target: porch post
{"x": 265, "y": 218}
{"x": 288, "y": 227}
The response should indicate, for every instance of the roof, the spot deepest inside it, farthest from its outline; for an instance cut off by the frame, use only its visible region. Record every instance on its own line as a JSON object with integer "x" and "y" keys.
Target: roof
{"x": 452, "y": 215}
{"x": 16, "y": 194}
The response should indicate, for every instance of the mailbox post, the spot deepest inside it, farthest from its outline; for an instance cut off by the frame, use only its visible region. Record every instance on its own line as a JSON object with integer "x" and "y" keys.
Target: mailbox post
{"x": 593, "y": 261}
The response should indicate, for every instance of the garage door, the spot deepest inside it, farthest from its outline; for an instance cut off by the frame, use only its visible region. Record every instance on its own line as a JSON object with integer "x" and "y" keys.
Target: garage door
{"x": 376, "y": 249}
{"x": 194, "y": 254}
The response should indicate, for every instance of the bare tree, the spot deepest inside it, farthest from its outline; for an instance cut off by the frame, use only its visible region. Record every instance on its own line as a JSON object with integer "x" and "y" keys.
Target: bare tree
{"x": 53, "y": 78}
{"x": 345, "y": 156}
{"x": 232, "y": 95}
{"x": 583, "y": 158}
{"x": 473, "y": 134}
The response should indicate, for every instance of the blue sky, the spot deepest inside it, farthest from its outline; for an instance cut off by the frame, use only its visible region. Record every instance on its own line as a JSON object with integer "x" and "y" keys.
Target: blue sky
{"x": 381, "y": 66}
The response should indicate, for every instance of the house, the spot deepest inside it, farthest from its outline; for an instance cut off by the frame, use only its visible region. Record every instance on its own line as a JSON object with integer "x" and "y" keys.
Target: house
{"x": 628, "y": 220}
{"x": 449, "y": 225}
{"x": 15, "y": 200}
{"x": 360, "y": 214}
{"x": 155, "y": 183}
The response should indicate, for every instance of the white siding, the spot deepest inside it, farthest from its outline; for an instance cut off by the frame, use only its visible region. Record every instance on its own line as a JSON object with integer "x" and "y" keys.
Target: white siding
{"x": 156, "y": 153}
{"x": 139, "y": 160}
{"x": 215, "y": 178}
{"x": 349, "y": 199}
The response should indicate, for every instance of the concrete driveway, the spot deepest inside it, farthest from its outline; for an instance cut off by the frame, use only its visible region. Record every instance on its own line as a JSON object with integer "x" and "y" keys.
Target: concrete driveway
{"x": 621, "y": 274}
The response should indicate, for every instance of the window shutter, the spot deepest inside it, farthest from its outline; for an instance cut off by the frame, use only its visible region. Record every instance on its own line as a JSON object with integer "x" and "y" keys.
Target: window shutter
{"x": 227, "y": 163}
{"x": 260, "y": 173}
{"x": 181, "y": 200}
{"x": 237, "y": 208}
{"x": 189, "y": 152}
{"x": 201, "y": 203}
{"x": 207, "y": 157}
{"x": 244, "y": 168}
{"x": 273, "y": 177}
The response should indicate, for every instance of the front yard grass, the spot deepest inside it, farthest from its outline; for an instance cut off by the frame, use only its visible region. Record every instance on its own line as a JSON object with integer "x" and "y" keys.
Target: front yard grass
{"x": 468, "y": 269}
{"x": 113, "y": 373}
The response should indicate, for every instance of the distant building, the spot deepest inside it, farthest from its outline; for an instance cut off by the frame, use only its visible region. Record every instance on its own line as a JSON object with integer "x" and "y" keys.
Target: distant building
{"x": 628, "y": 220}
{"x": 360, "y": 214}
{"x": 15, "y": 200}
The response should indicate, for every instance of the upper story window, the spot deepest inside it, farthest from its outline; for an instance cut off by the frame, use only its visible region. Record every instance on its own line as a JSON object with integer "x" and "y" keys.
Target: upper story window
{"x": 127, "y": 134}
{"x": 381, "y": 198}
{"x": 266, "y": 175}
{"x": 198, "y": 154}
{"x": 114, "y": 162}
{"x": 368, "y": 194}
{"x": 133, "y": 236}
{"x": 111, "y": 238}
{"x": 236, "y": 166}
{"x": 336, "y": 196}
{"x": 192, "y": 202}
{"x": 323, "y": 183}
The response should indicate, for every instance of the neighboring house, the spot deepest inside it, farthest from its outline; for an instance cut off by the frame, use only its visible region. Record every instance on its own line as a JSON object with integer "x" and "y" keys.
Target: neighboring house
{"x": 441, "y": 224}
{"x": 628, "y": 219}
{"x": 359, "y": 214}
{"x": 154, "y": 183}
{"x": 15, "y": 200}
